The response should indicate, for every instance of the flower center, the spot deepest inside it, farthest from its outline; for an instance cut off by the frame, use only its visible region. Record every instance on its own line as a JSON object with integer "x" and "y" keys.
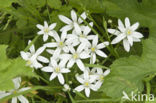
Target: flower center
{"x": 61, "y": 44}
{"x": 128, "y": 32}
{"x": 46, "y": 30}
{"x": 29, "y": 62}
{"x": 57, "y": 70}
{"x": 75, "y": 56}
{"x": 86, "y": 84}
{"x": 101, "y": 77}
{"x": 14, "y": 92}
{"x": 82, "y": 36}
{"x": 93, "y": 49}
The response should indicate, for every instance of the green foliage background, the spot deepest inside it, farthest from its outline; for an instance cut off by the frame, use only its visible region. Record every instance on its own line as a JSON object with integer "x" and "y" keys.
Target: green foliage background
{"x": 128, "y": 72}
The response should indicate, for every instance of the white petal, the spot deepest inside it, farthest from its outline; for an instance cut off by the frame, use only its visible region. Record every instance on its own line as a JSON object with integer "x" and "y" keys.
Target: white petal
{"x": 137, "y": 35}
{"x": 84, "y": 16}
{"x": 56, "y": 37}
{"x": 65, "y": 19}
{"x": 126, "y": 45}
{"x": 101, "y": 53}
{"x": 102, "y": 45}
{"x": 52, "y": 26}
{"x": 106, "y": 72}
{"x": 134, "y": 26}
{"x": 57, "y": 52}
{"x": 93, "y": 58}
{"x": 95, "y": 41}
{"x": 72, "y": 50}
{"x": 80, "y": 64}
{"x": 66, "y": 28}
{"x": 22, "y": 99}
{"x": 14, "y": 100}
{"x": 65, "y": 49}
{"x": 45, "y": 37}
{"x": 77, "y": 29}
{"x": 39, "y": 26}
{"x": 118, "y": 38}
{"x": 32, "y": 48}
{"x": 61, "y": 78}
{"x": 40, "y": 32}
{"x": 130, "y": 40}
{"x": 50, "y": 51}
{"x": 86, "y": 74}
{"x": 17, "y": 82}
{"x": 87, "y": 29}
{"x": 70, "y": 63}
{"x": 24, "y": 55}
{"x": 65, "y": 56}
{"x": 99, "y": 71}
{"x": 53, "y": 62}
{"x": 81, "y": 47}
{"x": 136, "y": 39}
{"x": 51, "y": 44}
{"x": 3, "y": 94}
{"x": 65, "y": 70}
{"x": 127, "y": 22}
{"x": 73, "y": 15}
{"x": 47, "y": 69}
{"x": 84, "y": 55}
{"x": 63, "y": 35}
{"x": 40, "y": 50}
{"x": 90, "y": 37}
{"x": 42, "y": 59}
{"x": 24, "y": 89}
{"x": 80, "y": 79}
{"x": 53, "y": 75}
{"x": 87, "y": 92}
{"x": 45, "y": 24}
{"x": 113, "y": 31}
{"x": 37, "y": 65}
{"x": 93, "y": 87}
{"x": 92, "y": 78}
{"x": 120, "y": 25}
{"x": 79, "y": 88}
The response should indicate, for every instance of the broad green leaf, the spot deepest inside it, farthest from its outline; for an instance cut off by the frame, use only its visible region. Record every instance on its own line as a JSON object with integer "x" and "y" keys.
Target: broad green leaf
{"x": 10, "y": 69}
{"x": 6, "y": 3}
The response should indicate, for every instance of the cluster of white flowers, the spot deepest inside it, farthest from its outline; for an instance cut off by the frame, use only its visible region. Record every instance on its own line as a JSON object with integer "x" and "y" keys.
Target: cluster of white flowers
{"x": 17, "y": 89}
{"x": 76, "y": 44}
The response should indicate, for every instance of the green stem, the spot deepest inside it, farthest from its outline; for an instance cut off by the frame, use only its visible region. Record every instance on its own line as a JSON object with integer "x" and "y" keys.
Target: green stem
{"x": 32, "y": 42}
{"x": 71, "y": 98}
{"x": 48, "y": 11}
{"x": 95, "y": 65}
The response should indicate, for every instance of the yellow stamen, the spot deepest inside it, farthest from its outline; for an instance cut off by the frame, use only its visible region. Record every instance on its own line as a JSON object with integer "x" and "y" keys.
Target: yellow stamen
{"x": 57, "y": 69}
{"x": 46, "y": 30}
{"x": 61, "y": 43}
{"x": 86, "y": 84}
{"x": 28, "y": 62}
{"x": 82, "y": 36}
{"x": 101, "y": 77}
{"x": 129, "y": 32}
{"x": 75, "y": 56}
{"x": 93, "y": 49}
{"x": 14, "y": 92}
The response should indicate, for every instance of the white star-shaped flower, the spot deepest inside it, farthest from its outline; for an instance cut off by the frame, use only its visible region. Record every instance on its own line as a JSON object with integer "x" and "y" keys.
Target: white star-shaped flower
{"x": 87, "y": 83}
{"x": 71, "y": 23}
{"x": 126, "y": 33}
{"x": 57, "y": 70}
{"x": 100, "y": 76}
{"x": 60, "y": 44}
{"x": 46, "y": 30}
{"x": 33, "y": 57}
{"x": 21, "y": 98}
{"x": 80, "y": 35}
{"x": 95, "y": 48}
{"x": 76, "y": 56}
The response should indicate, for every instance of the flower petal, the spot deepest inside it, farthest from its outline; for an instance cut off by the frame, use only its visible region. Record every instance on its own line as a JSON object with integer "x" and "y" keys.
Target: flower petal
{"x": 84, "y": 55}
{"x": 66, "y": 28}
{"x": 77, "y": 29}
{"x": 42, "y": 59}
{"x": 79, "y": 88}
{"x": 81, "y": 47}
{"x": 102, "y": 45}
{"x": 45, "y": 24}
{"x": 134, "y": 26}
{"x": 87, "y": 29}
{"x": 51, "y": 44}
{"x": 65, "y": 19}
{"x": 61, "y": 78}
{"x": 52, "y": 26}
{"x": 47, "y": 69}
{"x": 65, "y": 70}
{"x": 126, "y": 45}
{"x": 39, "y": 26}
{"x": 130, "y": 40}
{"x": 120, "y": 25}
{"x": 84, "y": 16}
{"x": 24, "y": 55}
{"x": 80, "y": 64}
{"x": 73, "y": 15}
{"x": 80, "y": 79}
{"x": 70, "y": 63}
{"x": 118, "y": 38}
{"x": 40, "y": 50}
{"x": 100, "y": 53}
{"x": 87, "y": 92}
{"x": 113, "y": 31}
{"x": 17, "y": 82}
{"x": 56, "y": 37}
{"x": 24, "y": 89}
{"x": 14, "y": 100}
{"x": 106, "y": 72}
{"x": 45, "y": 37}
{"x": 53, "y": 75}
{"x": 95, "y": 41}
{"x": 127, "y": 22}
{"x": 53, "y": 62}
{"x": 137, "y": 35}
{"x": 22, "y": 99}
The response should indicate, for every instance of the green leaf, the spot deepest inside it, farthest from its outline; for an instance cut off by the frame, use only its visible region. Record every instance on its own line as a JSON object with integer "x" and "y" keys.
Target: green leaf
{"x": 11, "y": 68}
{"x": 6, "y": 3}
{"x": 56, "y": 4}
